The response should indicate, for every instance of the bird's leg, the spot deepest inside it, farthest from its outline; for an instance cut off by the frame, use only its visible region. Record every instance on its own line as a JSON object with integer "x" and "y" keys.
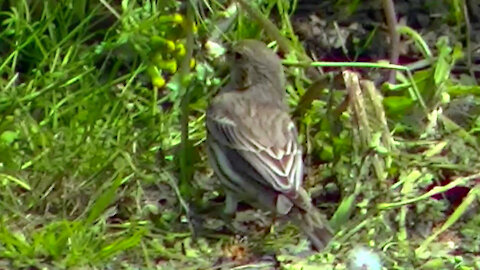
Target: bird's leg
{"x": 283, "y": 206}
{"x": 231, "y": 203}
{"x": 228, "y": 215}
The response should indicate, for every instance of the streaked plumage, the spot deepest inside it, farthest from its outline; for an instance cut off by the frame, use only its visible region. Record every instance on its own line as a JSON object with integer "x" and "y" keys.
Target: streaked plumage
{"x": 252, "y": 142}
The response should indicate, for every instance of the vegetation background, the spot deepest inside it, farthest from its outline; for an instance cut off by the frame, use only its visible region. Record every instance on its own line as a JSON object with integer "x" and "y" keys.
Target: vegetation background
{"x": 102, "y": 108}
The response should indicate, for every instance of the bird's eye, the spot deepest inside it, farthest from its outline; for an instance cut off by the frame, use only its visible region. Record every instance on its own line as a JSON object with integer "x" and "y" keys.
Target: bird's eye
{"x": 237, "y": 56}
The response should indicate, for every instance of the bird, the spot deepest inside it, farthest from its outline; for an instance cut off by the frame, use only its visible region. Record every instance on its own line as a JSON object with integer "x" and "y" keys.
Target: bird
{"x": 252, "y": 143}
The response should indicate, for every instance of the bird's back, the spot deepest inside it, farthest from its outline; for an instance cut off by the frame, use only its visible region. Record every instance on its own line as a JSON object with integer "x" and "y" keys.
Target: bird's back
{"x": 264, "y": 123}
{"x": 263, "y": 134}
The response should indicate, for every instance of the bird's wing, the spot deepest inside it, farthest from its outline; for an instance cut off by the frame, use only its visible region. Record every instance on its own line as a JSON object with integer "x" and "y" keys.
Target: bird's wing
{"x": 263, "y": 135}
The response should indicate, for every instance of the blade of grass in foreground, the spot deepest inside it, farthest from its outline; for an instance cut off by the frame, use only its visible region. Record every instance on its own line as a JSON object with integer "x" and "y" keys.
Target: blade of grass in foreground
{"x": 461, "y": 209}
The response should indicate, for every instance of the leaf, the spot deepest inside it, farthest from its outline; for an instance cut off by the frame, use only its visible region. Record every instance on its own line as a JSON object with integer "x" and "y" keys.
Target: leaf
{"x": 436, "y": 149}
{"x": 420, "y": 43}
{"x": 104, "y": 200}
{"x": 461, "y": 209}
{"x": 120, "y": 245}
{"x": 460, "y": 90}
{"x": 17, "y": 181}
{"x": 433, "y": 264}
{"x": 344, "y": 210}
{"x": 442, "y": 68}
{"x": 397, "y": 104}
{"x": 8, "y": 137}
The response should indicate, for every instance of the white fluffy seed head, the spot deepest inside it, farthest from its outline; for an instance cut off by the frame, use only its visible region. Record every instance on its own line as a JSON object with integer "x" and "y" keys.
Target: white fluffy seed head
{"x": 362, "y": 258}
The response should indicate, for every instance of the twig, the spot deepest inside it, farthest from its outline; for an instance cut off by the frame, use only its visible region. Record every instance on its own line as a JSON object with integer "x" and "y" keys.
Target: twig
{"x": 390, "y": 16}
{"x": 183, "y": 72}
{"x": 468, "y": 40}
{"x": 183, "y": 203}
{"x": 185, "y": 170}
{"x": 111, "y": 9}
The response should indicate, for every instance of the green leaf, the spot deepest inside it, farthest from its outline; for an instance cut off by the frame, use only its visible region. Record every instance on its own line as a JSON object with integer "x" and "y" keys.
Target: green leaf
{"x": 120, "y": 245}
{"x": 443, "y": 66}
{"x": 460, "y": 90}
{"x": 433, "y": 264}
{"x": 344, "y": 210}
{"x": 104, "y": 200}
{"x": 15, "y": 180}
{"x": 397, "y": 104}
{"x": 454, "y": 217}
{"x": 8, "y": 137}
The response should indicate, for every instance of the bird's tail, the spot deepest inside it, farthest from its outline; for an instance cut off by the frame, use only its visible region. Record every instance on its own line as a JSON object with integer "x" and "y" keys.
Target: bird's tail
{"x": 314, "y": 225}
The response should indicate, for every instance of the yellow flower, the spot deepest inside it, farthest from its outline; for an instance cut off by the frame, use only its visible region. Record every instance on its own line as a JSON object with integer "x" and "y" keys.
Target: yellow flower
{"x": 175, "y": 18}
{"x": 180, "y": 49}
{"x": 158, "y": 42}
{"x": 158, "y": 82}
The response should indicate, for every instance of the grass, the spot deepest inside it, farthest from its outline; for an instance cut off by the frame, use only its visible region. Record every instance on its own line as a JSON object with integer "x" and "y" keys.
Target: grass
{"x": 97, "y": 170}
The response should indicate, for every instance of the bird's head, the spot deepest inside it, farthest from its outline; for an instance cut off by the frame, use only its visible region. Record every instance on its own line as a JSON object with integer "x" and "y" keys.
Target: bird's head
{"x": 253, "y": 63}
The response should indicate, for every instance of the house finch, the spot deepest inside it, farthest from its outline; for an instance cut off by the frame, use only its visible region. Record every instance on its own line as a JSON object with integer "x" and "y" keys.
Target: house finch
{"x": 252, "y": 142}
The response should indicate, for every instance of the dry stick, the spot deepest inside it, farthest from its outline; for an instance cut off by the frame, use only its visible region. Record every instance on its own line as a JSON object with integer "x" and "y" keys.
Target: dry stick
{"x": 354, "y": 92}
{"x": 376, "y": 100}
{"x": 390, "y": 15}
{"x": 468, "y": 39}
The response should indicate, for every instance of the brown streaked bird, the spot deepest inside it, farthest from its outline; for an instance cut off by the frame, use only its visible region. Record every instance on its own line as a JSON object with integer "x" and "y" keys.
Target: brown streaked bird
{"x": 252, "y": 142}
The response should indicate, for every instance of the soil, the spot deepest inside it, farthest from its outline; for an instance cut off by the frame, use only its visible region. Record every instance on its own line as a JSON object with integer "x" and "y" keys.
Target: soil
{"x": 332, "y": 31}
